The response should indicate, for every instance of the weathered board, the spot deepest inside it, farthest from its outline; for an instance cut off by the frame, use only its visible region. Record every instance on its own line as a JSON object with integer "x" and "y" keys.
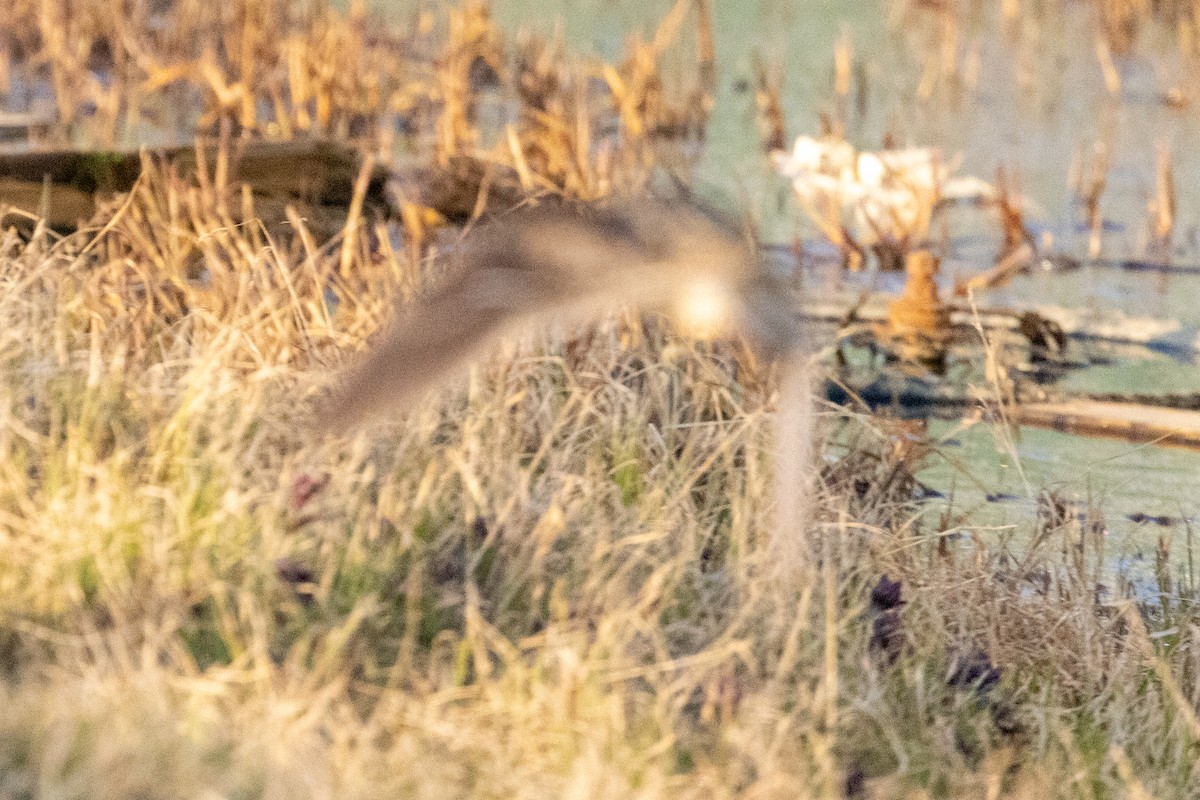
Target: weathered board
{"x": 66, "y": 183}
{"x": 1131, "y": 422}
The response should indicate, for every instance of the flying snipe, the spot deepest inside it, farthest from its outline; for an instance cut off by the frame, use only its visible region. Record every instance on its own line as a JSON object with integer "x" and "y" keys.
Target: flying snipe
{"x": 569, "y": 263}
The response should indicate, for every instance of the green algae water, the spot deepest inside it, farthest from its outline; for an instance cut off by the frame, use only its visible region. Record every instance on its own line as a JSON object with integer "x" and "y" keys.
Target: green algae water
{"x": 1022, "y": 97}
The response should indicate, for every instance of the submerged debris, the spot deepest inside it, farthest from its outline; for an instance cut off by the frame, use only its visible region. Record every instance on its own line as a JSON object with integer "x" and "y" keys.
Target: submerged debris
{"x": 1047, "y": 339}
{"x": 973, "y": 671}
{"x": 1161, "y": 520}
{"x": 299, "y": 576}
{"x": 887, "y": 627}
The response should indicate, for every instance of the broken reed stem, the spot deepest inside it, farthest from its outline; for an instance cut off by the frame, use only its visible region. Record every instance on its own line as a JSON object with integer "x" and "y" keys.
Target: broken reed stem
{"x": 829, "y": 579}
{"x": 1164, "y": 205}
{"x": 794, "y": 424}
{"x": 350, "y": 237}
{"x": 668, "y": 28}
{"x": 221, "y": 176}
{"x": 518, "y": 154}
{"x": 768, "y": 100}
{"x": 706, "y": 53}
{"x": 1112, "y": 78}
{"x": 843, "y": 60}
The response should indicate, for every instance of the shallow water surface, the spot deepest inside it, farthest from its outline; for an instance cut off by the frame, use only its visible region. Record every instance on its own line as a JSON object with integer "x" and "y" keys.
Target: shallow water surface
{"x": 1020, "y": 96}
{"x": 1037, "y": 106}
{"x": 1142, "y": 491}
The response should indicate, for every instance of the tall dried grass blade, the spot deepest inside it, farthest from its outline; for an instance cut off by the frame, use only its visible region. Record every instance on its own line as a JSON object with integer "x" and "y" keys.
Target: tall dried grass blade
{"x": 354, "y": 214}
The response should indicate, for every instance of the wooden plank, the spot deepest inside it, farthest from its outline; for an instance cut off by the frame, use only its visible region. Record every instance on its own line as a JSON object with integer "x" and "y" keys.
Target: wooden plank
{"x": 317, "y": 171}
{"x": 1131, "y": 422}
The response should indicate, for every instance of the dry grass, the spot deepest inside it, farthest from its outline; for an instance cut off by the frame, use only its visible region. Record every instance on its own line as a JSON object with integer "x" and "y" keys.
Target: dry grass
{"x": 121, "y": 71}
{"x": 551, "y": 581}
{"x": 275, "y": 67}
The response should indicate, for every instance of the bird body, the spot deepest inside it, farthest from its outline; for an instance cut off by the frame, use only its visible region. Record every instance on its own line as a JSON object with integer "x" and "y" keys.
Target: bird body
{"x": 564, "y": 263}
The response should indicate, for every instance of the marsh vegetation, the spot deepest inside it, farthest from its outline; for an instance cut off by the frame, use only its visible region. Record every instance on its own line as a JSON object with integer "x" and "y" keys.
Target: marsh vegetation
{"x": 555, "y": 576}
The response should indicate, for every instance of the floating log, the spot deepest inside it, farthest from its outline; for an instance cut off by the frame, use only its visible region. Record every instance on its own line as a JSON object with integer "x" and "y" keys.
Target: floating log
{"x": 317, "y": 171}
{"x": 18, "y": 125}
{"x": 68, "y": 182}
{"x": 1129, "y": 421}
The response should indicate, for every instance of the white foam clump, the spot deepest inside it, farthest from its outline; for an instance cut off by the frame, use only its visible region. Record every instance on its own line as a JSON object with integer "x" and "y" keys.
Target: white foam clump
{"x": 885, "y": 191}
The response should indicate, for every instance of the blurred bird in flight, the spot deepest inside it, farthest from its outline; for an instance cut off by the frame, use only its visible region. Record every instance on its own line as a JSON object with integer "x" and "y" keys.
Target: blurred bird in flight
{"x": 568, "y": 264}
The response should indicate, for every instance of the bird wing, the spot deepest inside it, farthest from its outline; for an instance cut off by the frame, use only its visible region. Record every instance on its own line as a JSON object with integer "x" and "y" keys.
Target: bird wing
{"x": 543, "y": 262}
{"x": 422, "y": 347}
